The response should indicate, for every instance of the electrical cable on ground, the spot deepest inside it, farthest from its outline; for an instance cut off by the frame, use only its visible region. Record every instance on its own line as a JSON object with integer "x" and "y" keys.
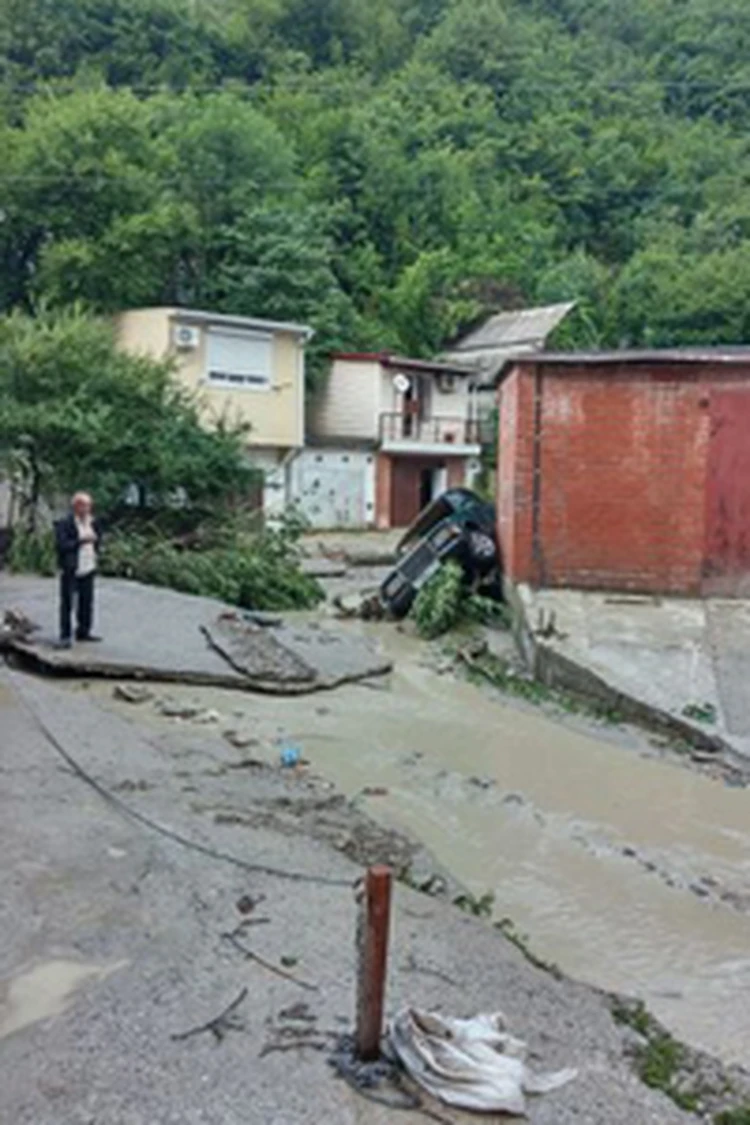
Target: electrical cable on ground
{"x": 184, "y": 841}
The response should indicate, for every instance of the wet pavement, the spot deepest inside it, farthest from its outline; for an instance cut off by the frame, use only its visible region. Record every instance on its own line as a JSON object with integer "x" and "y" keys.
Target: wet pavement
{"x": 687, "y": 657}
{"x": 115, "y": 956}
{"x": 629, "y": 872}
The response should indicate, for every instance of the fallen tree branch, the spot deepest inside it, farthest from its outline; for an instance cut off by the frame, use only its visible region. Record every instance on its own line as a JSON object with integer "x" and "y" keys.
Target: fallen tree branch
{"x": 251, "y": 955}
{"x": 219, "y": 1025}
{"x": 293, "y": 1045}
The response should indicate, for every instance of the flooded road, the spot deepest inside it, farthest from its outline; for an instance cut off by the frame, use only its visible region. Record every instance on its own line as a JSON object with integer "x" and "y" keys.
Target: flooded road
{"x": 628, "y": 872}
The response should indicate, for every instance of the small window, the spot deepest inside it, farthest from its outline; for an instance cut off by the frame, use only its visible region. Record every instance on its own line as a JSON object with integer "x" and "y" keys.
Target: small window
{"x": 239, "y": 359}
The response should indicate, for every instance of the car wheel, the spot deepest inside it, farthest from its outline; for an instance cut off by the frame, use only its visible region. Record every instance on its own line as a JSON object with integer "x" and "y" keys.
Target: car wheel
{"x": 481, "y": 548}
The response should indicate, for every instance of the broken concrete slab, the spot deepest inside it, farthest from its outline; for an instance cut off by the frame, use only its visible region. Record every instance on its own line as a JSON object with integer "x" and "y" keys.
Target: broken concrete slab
{"x": 255, "y": 652}
{"x": 15, "y": 625}
{"x": 152, "y": 633}
{"x": 658, "y": 660}
{"x": 301, "y": 656}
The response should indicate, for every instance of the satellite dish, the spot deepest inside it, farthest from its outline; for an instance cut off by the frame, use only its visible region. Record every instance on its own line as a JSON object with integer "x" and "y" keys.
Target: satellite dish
{"x": 401, "y": 383}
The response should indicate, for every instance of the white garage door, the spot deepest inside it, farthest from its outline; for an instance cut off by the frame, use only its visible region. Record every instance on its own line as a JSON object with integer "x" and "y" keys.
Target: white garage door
{"x": 335, "y": 488}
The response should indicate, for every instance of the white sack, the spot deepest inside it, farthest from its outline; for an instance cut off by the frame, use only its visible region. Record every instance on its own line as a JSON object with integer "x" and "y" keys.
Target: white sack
{"x": 474, "y": 1064}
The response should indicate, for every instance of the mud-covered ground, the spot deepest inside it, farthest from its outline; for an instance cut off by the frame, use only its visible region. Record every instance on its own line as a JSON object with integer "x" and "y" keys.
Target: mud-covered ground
{"x": 159, "y": 861}
{"x": 121, "y": 932}
{"x": 129, "y": 906}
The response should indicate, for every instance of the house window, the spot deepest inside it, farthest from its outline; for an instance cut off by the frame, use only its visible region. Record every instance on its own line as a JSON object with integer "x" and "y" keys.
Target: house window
{"x": 239, "y": 359}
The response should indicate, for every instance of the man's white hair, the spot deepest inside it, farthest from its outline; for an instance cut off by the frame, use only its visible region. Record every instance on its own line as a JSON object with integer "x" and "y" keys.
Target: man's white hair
{"x": 81, "y": 498}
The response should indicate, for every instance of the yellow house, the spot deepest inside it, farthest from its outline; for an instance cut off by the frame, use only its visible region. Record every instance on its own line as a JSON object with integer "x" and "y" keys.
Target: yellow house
{"x": 240, "y": 368}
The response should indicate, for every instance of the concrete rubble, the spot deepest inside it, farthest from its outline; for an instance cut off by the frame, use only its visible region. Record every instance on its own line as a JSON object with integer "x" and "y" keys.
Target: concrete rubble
{"x": 158, "y": 634}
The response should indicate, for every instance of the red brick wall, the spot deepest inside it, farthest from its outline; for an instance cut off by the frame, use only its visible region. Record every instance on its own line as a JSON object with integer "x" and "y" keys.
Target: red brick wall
{"x": 622, "y": 463}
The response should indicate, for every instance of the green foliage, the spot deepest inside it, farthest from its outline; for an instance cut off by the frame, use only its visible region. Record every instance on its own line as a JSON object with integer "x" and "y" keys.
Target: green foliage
{"x": 438, "y": 605}
{"x": 662, "y": 1061}
{"x": 480, "y": 906}
{"x": 32, "y": 552}
{"x": 75, "y": 411}
{"x": 700, "y": 712}
{"x": 501, "y": 675}
{"x": 446, "y": 601}
{"x": 521, "y": 942}
{"x": 389, "y": 171}
{"x": 738, "y": 1116}
{"x": 256, "y": 573}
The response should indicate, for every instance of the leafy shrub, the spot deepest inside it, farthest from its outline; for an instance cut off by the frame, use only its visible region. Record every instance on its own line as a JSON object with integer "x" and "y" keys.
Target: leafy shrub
{"x": 32, "y": 552}
{"x": 438, "y": 605}
{"x": 446, "y": 602}
{"x": 261, "y": 572}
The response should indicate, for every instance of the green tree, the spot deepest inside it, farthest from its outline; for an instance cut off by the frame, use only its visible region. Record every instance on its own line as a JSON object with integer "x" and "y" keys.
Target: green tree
{"x": 77, "y": 412}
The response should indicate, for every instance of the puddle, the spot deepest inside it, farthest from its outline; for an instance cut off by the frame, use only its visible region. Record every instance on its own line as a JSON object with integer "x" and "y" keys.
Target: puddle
{"x": 39, "y": 993}
{"x": 589, "y": 846}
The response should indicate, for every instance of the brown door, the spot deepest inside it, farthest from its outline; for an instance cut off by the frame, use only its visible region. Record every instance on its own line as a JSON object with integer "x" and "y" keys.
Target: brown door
{"x": 726, "y": 567}
{"x": 405, "y": 495}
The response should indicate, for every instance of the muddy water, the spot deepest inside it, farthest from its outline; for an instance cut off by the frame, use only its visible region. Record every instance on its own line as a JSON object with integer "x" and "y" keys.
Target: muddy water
{"x": 614, "y": 864}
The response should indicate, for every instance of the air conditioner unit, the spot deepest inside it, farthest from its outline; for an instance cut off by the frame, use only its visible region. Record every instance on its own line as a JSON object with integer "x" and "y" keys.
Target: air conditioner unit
{"x": 447, "y": 382}
{"x": 186, "y": 337}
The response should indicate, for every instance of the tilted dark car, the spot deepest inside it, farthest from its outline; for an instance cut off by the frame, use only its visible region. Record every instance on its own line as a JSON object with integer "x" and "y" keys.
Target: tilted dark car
{"x": 457, "y": 525}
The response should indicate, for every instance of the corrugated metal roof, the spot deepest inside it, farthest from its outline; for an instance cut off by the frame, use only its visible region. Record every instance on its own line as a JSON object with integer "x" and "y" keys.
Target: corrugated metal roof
{"x": 725, "y": 356}
{"x": 514, "y": 328}
{"x": 504, "y": 335}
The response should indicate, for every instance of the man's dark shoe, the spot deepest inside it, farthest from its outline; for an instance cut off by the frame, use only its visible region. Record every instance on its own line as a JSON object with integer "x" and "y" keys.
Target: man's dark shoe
{"x": 92, "y": 638}
{"x": 64, "y": 643}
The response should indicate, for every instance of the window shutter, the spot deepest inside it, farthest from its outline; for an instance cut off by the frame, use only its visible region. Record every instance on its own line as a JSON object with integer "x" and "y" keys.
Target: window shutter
{"x": 239, "y": 358}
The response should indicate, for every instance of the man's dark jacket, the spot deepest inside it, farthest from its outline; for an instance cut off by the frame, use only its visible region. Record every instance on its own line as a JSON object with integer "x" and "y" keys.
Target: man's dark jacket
{"x": 67, "y": 544}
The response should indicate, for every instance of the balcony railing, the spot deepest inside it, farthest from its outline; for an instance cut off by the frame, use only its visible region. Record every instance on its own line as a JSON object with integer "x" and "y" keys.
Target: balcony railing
{"x": 399, "y": 427}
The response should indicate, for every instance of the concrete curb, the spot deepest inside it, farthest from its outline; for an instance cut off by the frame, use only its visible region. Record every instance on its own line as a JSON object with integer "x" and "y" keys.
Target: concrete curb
{"x": 556, "y": 670}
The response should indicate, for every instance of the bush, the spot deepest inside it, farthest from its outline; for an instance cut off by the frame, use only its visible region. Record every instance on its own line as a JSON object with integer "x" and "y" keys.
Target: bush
{"x": 32, "y": 552}
{"x": 437, "y": 606}
{"x": 446, "y": 602}
{"x": 261, "y": 572}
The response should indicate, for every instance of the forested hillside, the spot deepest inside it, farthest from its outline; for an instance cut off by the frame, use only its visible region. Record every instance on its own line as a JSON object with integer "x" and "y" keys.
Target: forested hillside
{"x": 386, "y": 169}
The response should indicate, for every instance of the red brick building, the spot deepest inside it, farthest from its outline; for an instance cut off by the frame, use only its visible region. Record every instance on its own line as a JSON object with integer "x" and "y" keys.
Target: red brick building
{"x": 627, "y": 471}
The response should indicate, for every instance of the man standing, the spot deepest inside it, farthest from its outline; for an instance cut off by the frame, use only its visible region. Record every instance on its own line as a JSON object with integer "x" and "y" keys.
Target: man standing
{"x": 78, "y": 538}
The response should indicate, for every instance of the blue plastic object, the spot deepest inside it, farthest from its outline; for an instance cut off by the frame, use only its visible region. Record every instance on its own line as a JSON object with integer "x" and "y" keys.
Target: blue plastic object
{"x": 290, "y": 756}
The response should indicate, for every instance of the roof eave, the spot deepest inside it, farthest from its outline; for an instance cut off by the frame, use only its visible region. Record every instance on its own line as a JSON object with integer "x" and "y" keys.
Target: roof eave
{"x": 200, "y": 316}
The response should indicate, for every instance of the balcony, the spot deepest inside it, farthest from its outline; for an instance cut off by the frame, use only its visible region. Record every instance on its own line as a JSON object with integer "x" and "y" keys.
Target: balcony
{"x": 408, "y": 433}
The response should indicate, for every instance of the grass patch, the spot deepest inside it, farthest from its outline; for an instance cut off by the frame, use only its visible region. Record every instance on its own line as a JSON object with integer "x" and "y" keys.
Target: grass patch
{"x": 738, "y": 1116}
{"x": 497, "y": 672}
{"x": 660, "y": 1060}
{"x": 521, "y": 942}
{"x": 700, "y": 712}
{"x": 480, "y": 906}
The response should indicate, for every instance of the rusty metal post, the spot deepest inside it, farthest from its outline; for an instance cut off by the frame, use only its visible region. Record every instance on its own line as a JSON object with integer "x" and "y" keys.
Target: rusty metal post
{"x": 372, "y": 948}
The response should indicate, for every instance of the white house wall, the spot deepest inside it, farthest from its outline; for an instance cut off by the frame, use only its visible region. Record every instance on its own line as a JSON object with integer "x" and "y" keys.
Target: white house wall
{"x": 455, "y": 404}
{"x": 349, "y": 405}
{"x": 335, "y": 488}
{"x": 272, "y": 463}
